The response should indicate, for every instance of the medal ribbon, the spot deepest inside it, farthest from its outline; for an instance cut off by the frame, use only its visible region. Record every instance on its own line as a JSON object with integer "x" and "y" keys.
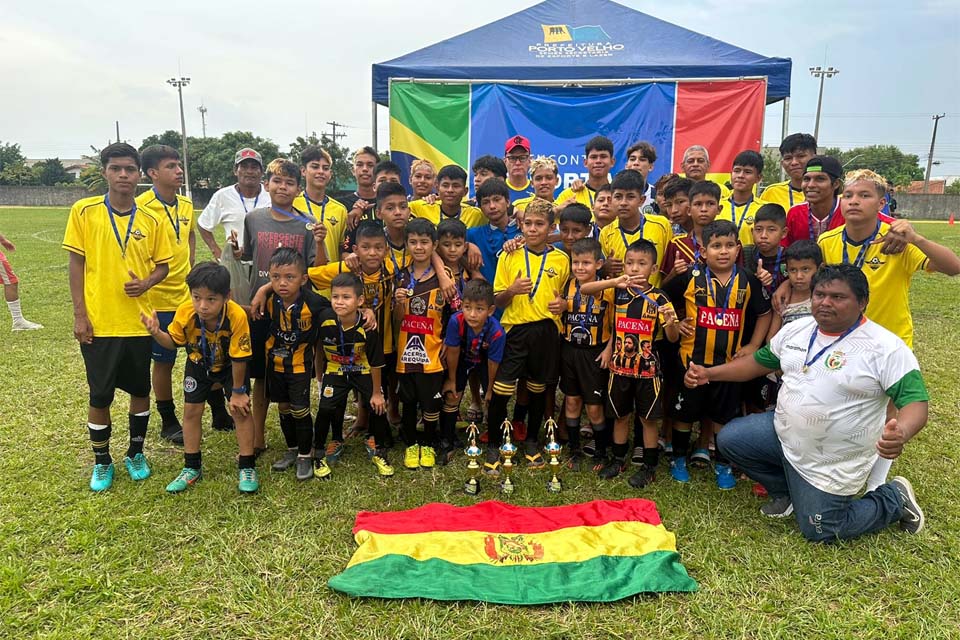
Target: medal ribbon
{"x": 808, "y": 361}
{"x": 293, "y": 214}
{"x": 543, "y": 264}
{"x": 243, "y": 201}
{"x": 323, "y": 205}
{"x": 712, "y": 292}
{"x": 211, "y": 357}
{"x": 113, "y": 223}
{"x": 175, "y": 219}
{"x": 862, "y": 255}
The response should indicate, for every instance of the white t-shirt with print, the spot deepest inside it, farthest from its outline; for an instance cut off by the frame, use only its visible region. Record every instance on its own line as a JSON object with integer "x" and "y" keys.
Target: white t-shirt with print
{"x": 229, "y": 208}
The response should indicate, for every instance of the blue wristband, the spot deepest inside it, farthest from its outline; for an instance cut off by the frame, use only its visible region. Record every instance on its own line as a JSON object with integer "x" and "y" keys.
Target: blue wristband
{"x": 240, "y": 390}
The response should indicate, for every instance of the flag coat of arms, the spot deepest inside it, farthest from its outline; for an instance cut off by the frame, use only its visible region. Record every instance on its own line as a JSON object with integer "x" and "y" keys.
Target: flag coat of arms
{"x": 597, "y": 551}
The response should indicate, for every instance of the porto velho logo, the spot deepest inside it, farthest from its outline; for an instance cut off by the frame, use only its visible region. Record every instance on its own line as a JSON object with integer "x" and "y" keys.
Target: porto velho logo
{"x": 566, "y": 41}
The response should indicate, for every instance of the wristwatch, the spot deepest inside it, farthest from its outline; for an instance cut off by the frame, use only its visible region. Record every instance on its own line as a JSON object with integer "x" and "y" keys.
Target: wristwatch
{"x": 241, "y": 390}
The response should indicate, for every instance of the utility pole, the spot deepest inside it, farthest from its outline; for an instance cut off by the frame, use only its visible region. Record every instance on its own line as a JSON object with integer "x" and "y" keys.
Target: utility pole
{"x": 820, "y": 72}
{"x": 180, "y": 83}
{"x": 336, "y": 135}
{"x": 933, "y": 141}
{"x": 117, "y": 122}
{"x": 203, "y": 118}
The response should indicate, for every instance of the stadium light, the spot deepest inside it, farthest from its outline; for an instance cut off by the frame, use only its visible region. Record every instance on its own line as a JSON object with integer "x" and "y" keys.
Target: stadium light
{"x": 180, "y": 83}
{"x": 820, "y": 72}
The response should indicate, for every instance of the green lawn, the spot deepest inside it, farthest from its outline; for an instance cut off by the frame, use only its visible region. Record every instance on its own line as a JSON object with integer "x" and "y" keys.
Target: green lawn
{"x": 136, "y": 562}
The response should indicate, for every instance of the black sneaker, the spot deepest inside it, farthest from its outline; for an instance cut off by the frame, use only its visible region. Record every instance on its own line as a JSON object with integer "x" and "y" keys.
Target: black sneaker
{"x": 589, "y": 447}
{"x": 223, "y": 421}
{"x": 576, "y": 460}
{"x": 304, "y": 467}
{"x": 288, "y": 460}
{"x": 781, "y": 507}
{"x": 637, "y": 457}
{"x": 612, "y": 468}
{"x": 172, "y": 433}
{"x": 644, "y": 476}
{"x": 447, "y": 451}
{"x": 912, "y": 520}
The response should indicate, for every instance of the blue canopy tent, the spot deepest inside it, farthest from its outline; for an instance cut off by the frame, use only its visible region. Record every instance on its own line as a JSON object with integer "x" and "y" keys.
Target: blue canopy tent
{"x": 563, "y": 42}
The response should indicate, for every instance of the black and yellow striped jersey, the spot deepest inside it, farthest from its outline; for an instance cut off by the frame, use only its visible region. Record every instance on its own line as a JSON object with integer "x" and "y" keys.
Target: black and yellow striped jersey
{"x": 348, "y": 350}
{"x": 293, "y": 331}
{"x": 638, "y": 316}
{"x": 377, "y": 293}
{"x": 228, "y": 341}
{"x": 721, "y": 312}
{"x": 423, "y": 318}
{"x": 588, "y": 320}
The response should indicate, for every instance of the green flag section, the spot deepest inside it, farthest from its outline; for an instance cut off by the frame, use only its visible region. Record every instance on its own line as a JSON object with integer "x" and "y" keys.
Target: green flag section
{"x": 599, "y": 551}
{"x": 431, "y": 122}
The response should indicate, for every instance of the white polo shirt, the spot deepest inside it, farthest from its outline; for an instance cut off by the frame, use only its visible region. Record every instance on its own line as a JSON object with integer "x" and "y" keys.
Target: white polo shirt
{"x": 229, "y": 208}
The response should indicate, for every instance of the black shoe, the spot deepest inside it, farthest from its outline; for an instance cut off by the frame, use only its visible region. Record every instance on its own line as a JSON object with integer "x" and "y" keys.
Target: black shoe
{"x": 644, "y": 476}
{"x": 304, "y": 468}
{"x": 612, "y": 468}
{"x": 576, "y": 460}
{"x": 288, "y": 460}
{"x": 222, "y": 421}
{"x": 447, "y": 452}
{"x": 172, "y": 433}
{"x": 912, "y": 520}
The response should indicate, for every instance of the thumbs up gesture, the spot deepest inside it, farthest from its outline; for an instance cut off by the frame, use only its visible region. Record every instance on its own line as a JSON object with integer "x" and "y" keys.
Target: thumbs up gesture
{"x": 135, "y": 287}
{"x": 558, "y": 305}
{"x": 764, "y": 276}
{"x": 892, "y": 440}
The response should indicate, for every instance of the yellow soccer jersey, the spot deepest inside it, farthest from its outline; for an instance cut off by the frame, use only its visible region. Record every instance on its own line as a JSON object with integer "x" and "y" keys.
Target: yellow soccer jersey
{"x": 655, "y": 228}
{"x": 178, "y": 221}
{"x": 398, "y": 256}
{"x": 138, "y": 244}
{"x": 230, "y": 340}
{"x": 742, "y": 216}
{"x": 888, "y": 275}
{"x": 585, "y": 196}
{"x": 548, "y": 273}
{"x": 332, "y": 214}
{"x": 783, "y": 194}
{"x": 470, "y": 216}
{"x": 521, "y": 203}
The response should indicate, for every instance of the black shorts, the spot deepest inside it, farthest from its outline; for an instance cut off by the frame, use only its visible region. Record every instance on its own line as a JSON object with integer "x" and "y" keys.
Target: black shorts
{"x": 717, "y": 401}
{"x": 463, "y": 375}
{"x": 581, "y": 375}
{"x": 198, "y": 382}
{"x": 638, "y": 395}
{"x": 532, "y": 353}
{"x": 422, "y": 389}
{"x": 335, "y": 389}
{"x": 259, "y": 332}
{"x": 292, "y": 388}
{"x": 117, "y": 363}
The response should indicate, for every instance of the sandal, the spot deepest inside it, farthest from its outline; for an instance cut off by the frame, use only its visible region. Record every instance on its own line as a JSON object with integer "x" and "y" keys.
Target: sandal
{"x": 535, "y": 461}
{"x": 491, "y": 469}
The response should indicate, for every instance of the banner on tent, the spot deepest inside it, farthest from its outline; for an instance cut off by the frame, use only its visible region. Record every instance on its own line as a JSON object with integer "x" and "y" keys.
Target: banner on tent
{"x": 457, "y": 123}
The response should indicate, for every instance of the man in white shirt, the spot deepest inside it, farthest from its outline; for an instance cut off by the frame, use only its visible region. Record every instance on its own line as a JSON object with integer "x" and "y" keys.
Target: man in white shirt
{"x": 815, "y": 452}
{"x": 229, "y": 206}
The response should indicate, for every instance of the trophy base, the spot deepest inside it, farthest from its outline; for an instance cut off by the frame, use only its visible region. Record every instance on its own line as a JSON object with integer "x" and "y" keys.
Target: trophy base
{"x": 471, "y": 487}
{"x": 554, "y": 485}
{"x": 507, "y": 486}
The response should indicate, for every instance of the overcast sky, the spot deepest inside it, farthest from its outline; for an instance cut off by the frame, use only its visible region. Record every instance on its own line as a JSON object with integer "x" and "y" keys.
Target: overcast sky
{"x": 279, "y": 69}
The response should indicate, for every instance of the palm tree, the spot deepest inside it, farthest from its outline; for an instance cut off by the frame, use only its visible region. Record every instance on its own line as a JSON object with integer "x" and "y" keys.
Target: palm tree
{"x": 92, "y": 176}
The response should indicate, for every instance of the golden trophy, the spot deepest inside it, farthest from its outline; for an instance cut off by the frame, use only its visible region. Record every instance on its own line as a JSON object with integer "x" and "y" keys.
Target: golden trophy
{"x": 473, "y": 452}
{"x": 552, "y": 449}
{"x": 507, "y": 451}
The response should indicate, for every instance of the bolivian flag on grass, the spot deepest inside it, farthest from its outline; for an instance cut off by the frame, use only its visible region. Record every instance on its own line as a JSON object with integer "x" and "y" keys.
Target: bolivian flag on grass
{"x": 597, "y": 551}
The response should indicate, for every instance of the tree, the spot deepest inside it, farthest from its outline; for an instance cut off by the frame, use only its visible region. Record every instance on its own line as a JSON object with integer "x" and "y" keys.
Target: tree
{"x": 169, "y": 137}
{"x": 10, "y": 154}
{"x": 887, "y": 160}
{"x": 211, "y": 159}
{"x": 953, "y": 189}
{"x": 92, "y": 176}
{"x": 19, "y": 174}
{"x": 340, "y": 155}
{"x": 51, "y": 172}
{"x": 771, "y": 165}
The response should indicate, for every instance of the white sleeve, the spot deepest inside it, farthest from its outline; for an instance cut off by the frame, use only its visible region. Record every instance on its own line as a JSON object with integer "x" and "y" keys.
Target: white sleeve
{"x": 786, "y": 333}
{"x": 896, "y": 361}
{"x": 210, "y": 217}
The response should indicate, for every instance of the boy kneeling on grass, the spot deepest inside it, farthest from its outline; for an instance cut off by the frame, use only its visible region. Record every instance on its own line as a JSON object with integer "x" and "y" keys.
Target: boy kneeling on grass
{"x": 215, "y": 332}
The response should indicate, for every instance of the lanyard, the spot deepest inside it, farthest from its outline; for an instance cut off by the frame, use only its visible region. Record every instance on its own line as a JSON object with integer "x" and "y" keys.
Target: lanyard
{"x": 343, "y": 344}
{"x": 861, "y": 256}
{"x": 833, "y": 212}
{"x": 733, "y": 213}
{"x": 414, "y": 281}
{"x": 591, "y": 195}
{"x": 696, "y": 247}
{"x": 777, "y": 276}
{"x": 323, "y": 205}
{"x": 576, "y": 306}
{"x": 543, "y": 264}
{"x": 623, "y": 236}
{"x": 397, "y": 266}
{"x": 790, "y": 193}
{"x": 294, "y": 310}
{"x": 477, "y": 343}
{"x": 637, "y": 293}
{"x": 175, "y": 218}
{"x": 243, "y": 200}
{"x": 211, "y": 357}
{"x": 113, "y": 223}
{"x": 293, "y": 214}
{"x": 808, "y": 361}
{"x": 712, "y": 291}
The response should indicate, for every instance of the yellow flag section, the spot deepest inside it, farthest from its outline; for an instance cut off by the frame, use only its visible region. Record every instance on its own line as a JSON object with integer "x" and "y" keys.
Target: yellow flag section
{"x": 597, "y": 551}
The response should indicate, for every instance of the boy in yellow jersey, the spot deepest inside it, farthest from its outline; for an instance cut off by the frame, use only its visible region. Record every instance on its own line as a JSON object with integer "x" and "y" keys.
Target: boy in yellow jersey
{"x": 316, "y": 166}
{"x": 717, "y": 302}
{"x": 741, "y": 206}
{"x": 423, "y": 179}
{"x": 214, "y": 330}
{"x": 421, "y": 314}
{"x": 685, "y": 251}
{"x": 517, "y": 158}
{"x": 599, "y": 160}
{"x": 354, "y": 360}
{"x": 795, "y": 151}
{"x": 888, "y": 275}
{"x": 162, "y": 165}
{"x": 118, "y": 252}
{"x": 451, "y": 190}
{"x": 546, "y": 177}
{"x": 640, "y": 311}
{"x": 527, "y": 281}
{"x": 631, "y": 224}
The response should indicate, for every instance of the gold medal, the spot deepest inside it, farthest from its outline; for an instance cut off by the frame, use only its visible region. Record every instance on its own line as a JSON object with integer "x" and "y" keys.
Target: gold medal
{"x": 310, "y": 226}
{"x": 805, "y": 369}
{"x": 695, "y": 272}
{"x": 410, "y": 293}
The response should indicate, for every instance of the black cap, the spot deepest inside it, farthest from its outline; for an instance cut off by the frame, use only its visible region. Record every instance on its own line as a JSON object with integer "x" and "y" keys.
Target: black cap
{"x": 825, "y": 164}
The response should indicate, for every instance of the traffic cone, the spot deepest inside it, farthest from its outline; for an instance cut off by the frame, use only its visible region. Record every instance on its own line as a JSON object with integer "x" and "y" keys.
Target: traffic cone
{"x": 950, "y": 221}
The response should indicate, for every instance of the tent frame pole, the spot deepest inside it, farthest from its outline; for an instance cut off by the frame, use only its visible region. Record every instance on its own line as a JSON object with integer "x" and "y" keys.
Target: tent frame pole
{"x": 373, "y": 124}
{"x": 577, "y": 82}
{"x": 785, "y": 123}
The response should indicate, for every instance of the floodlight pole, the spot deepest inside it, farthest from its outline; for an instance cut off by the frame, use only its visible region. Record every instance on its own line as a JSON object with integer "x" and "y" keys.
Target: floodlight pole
{"x": 180, "y": 83}
{"x": 820, "y": 72}
{"x": 933, "y": 141}
{"x": 373, "y": 124}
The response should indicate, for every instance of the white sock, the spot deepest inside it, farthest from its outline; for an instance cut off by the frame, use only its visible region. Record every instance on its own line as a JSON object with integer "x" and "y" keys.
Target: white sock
{"x": 15, "y": 310}
{"x": 878, "y": 475}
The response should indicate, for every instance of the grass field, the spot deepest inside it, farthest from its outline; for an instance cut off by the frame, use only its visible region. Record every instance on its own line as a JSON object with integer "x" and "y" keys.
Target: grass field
{"x": 138, "y": 563}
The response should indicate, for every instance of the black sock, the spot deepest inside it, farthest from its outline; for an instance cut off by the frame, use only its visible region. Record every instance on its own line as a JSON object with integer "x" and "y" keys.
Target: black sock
{"x": 168, "y": 414}
{"x": 429, "y": 436}
{"x": 216, "y": 401}
{"x": 620, "y": 450}
{"x": 497, "y": 413}
{"x": 191, "y": 460}
{"x": 519, "y": 412}
{"x": 651, "y": 456}
{"x": 637, "y": 431}
{"x": 601, "y": 439}
{"x": 321, "y": 427}
{"x": 336, "y": 426}
{"x": 247, "y": 462}
{"x": 138, "y": 433}
{"x": 448, "y": 427}
{"x": 573, "y": 434}
{"x": 379, "y": 428}
{"x": 537, "y": 404}
{"x": 100, "y": 440}
{"x": 289, "y": 429}
{"x": 408, "y": 422}
{"x": 681, "y": 442}
{"x": 303, "y": 426}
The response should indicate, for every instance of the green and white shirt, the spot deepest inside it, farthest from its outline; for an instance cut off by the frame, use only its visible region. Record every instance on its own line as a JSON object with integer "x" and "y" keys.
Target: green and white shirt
{"x": 830, "y": 417}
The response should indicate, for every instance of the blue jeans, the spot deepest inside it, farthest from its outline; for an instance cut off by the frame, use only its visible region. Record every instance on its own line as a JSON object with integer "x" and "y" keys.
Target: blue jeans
{"x": 752, "y": 444}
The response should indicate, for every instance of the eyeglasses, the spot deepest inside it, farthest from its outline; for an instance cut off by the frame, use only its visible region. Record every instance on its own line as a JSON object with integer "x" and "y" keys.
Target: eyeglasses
{"x": 517, "y": 158}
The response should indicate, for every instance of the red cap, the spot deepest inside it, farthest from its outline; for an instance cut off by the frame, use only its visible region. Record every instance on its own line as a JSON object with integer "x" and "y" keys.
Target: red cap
{"x": 514, "y": 142}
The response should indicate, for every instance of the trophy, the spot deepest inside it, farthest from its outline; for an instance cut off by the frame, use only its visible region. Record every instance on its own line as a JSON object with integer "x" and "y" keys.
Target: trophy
{"x": 472, "y": 486}
{"x": 552, "y": 448}
{"x": 507, "y": 451}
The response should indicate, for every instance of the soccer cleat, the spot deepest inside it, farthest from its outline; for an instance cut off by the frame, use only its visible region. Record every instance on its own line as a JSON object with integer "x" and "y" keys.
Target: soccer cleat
{"x": 137, "y": 467}
{"x": 428, "y": 457}
{"x": 644, "y": 476}
{"x": 781, "y": 507}
{"x": 172, "y": 433}
{"x": 304, "y": 468}
{"x": 678, "y": 470}
{"x": 637, "y": 457}
{"x": 912, "y": 519}
{"x": 26, "y": 325}
{"x": 186, "y": 479}
{"x": 380, "y": 462}
{"x": 288, "y": 460}
{"x": 248, "y": 481}
{"x": 612, "y": 468}
{"x": 700, "y": 458}
{"x": 411, "y": 457}
{"x": 102, "y": 478}
{"x": 321, "y": 469}
{"x": 334, "y": 451}
{"x": 725, "y": 478}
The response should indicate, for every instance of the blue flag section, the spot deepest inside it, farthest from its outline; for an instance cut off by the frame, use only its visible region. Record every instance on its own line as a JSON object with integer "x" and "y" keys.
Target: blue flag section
{"x": 560, "y": 121}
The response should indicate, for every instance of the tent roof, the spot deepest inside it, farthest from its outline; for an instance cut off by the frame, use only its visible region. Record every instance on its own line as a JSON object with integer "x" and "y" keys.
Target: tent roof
{"x": 581, "y": 40}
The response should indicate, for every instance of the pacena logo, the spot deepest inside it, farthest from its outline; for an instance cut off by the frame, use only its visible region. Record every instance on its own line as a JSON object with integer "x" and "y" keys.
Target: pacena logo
{"x": 565, "y": 41}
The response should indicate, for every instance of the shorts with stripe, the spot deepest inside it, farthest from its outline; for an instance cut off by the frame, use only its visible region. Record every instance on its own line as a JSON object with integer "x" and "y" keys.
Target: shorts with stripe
{"x": 422, "y": 389}
{"x": 532, "y": 353}
{"x": 581, "y": 375}
{"x": 635, "y": 395}
{"x": 293, "y": 388}
{"x": 7, "y": 276}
